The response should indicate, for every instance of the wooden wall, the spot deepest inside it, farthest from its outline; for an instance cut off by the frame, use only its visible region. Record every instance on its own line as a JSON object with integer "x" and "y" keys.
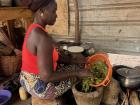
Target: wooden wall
{"x": 112, "y": 25}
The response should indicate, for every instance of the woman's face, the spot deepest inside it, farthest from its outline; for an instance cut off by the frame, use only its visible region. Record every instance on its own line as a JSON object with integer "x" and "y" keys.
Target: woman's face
{"x": 50, "y": 14}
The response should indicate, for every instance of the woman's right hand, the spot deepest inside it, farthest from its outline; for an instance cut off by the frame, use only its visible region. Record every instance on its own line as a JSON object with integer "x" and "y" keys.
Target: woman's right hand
{"x": 85, "y": 73}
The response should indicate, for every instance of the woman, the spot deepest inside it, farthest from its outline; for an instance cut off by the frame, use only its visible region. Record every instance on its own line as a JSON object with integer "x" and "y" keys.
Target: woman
{"x": 39, "y": 55}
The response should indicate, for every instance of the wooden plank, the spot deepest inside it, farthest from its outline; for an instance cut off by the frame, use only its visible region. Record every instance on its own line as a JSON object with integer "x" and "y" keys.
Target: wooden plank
{"x": 127, "y": 14}
{"x": 105, "y": 2}
{"x": 109, "y": 30}
{"x": 10, "y": 13}
{"x": 61, "y": 25}
{"x": 105, "y": 7}
{"x": 124, "y": 59}
{"x": 101, "y": 2}
{"x": 116, "y": 46}
{"x": 112, "y": 25}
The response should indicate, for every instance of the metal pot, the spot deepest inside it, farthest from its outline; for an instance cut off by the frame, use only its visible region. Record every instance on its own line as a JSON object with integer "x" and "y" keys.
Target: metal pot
{"x": 66, "y": 43}
{"x": 88, "y": 48}
{"x": 128, "y": 77}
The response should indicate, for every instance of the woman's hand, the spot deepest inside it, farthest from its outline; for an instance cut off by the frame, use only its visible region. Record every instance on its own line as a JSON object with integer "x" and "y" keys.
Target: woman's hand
{"x": 85, "y": 73}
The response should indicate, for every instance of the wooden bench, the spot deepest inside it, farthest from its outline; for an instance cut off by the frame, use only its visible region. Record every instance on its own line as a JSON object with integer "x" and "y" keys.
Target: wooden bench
{"x": 37, "y": 101}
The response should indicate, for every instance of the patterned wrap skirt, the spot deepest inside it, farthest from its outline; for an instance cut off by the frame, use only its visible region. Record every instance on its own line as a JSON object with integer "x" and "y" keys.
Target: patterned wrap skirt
{"x": 37, "y": 88}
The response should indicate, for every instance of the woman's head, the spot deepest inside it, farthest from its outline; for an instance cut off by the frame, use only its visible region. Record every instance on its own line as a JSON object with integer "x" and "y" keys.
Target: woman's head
{"x": 45, "y": 10}
{"x": 48, "y": 13}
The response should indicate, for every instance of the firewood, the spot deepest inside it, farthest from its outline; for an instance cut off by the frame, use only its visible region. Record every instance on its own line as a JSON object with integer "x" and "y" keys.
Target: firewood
{"x": 134, "y": 100}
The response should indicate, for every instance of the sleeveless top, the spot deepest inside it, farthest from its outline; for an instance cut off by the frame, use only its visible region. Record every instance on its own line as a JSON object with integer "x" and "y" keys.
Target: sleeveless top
{"x": 29, "y": 61}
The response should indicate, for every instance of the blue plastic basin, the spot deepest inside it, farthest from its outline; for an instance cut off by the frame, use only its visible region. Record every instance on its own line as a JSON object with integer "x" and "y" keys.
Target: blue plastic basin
{"x": 5, "y": 96}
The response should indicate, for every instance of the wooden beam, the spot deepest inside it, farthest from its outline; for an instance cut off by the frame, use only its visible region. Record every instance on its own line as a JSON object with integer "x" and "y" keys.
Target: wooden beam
{"x": 10, "y": 13}
{"x": 134, "y": 100}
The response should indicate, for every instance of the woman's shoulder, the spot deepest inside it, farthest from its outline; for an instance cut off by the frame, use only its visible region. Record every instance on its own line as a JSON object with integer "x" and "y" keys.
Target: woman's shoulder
{"x": 37, "y": 35}
{"x": 42, "y": 36}
{"x": 36, "y": 28}
{"x": 39, "y": 31}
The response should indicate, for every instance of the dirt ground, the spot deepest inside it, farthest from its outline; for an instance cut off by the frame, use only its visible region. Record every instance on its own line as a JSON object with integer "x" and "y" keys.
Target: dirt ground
{"x": 19, "y": 102}
{"x": 15, "y": 100}
{"x": 66, "y": 99}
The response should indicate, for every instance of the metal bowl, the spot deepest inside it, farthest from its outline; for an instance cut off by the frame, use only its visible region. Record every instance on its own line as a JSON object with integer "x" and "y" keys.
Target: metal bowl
{"x": 127, "y": 76}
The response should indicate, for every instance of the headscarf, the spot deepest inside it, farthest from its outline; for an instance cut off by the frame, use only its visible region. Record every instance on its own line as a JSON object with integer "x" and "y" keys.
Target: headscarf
{"x": 34, "y": 5}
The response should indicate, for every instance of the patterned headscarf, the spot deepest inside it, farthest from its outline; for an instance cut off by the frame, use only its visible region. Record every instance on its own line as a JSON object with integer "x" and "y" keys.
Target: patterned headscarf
{"x": 34, "y": 5}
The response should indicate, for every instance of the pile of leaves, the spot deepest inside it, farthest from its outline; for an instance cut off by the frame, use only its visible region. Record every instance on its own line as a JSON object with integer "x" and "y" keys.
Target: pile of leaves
{"x": 99, "y": 70}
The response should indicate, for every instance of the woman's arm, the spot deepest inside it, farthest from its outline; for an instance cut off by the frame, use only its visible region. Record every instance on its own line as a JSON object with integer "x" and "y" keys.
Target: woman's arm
{"x": 45, "y": 62}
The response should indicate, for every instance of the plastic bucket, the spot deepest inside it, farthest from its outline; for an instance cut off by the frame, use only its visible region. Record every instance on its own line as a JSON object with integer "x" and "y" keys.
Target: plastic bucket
{"x": 103, "y": 57}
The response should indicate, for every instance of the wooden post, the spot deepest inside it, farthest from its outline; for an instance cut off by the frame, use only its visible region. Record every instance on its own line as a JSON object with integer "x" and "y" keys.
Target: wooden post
{"x": 11, "y": 34}
{"x": 27, "y": 21}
